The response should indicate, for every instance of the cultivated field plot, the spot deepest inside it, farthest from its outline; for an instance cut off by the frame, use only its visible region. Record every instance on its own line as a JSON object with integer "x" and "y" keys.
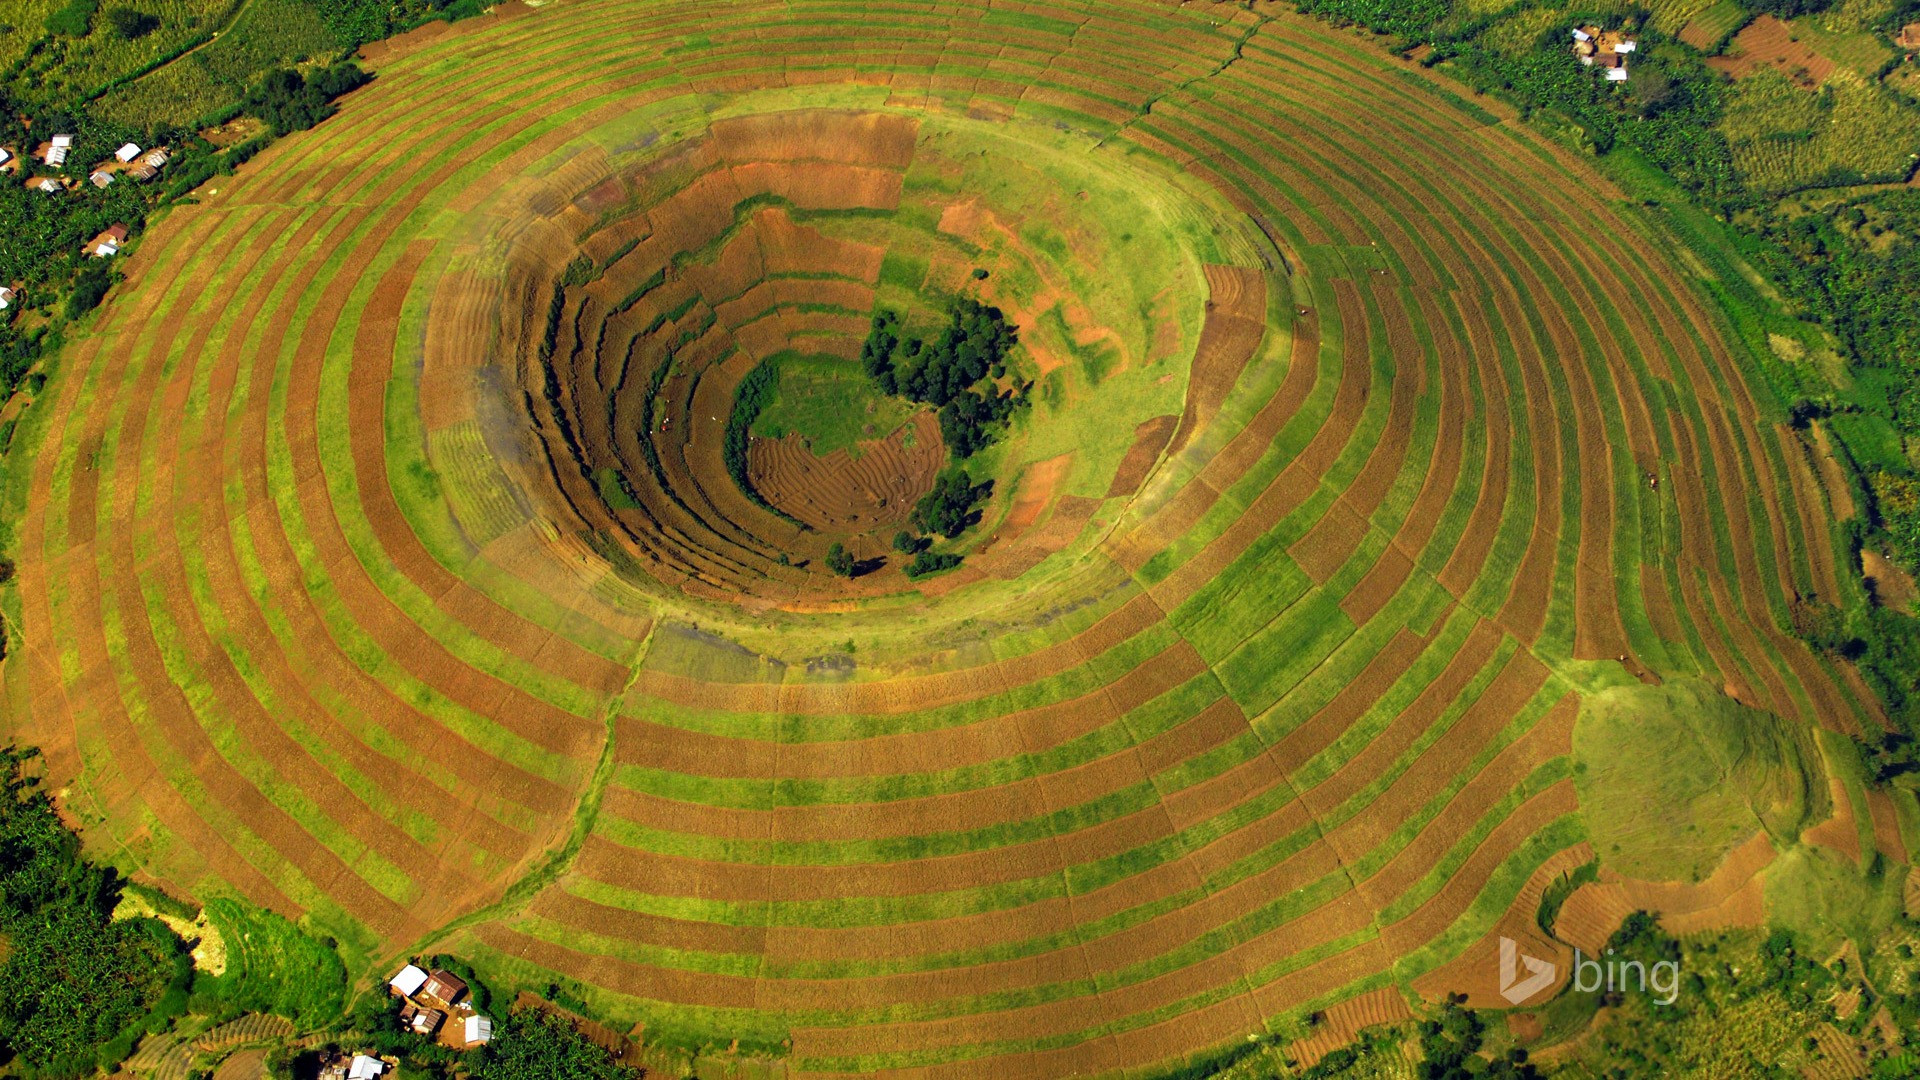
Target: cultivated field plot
{"x": 381, "y": 566}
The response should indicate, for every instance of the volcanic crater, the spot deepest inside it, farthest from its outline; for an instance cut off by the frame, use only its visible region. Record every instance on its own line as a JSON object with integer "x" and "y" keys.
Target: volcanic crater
{"x": 636, "y": 286}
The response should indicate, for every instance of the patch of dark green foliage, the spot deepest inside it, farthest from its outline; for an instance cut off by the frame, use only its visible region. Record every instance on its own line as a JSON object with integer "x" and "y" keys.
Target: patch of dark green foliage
{"x": 77, "y": 988}
{"x": 533, "y": 1044}
{"x": 356, "y": 22}
{"x": 927, "y": 563}
{"x": 288, "y": 101}
{"x": 749, "y": 398}
{"x": 73, "y": 19}
{"x": 840, "y": 560}
{"x": 1450, "y": 1049}
{"x": 952, "y": 371}
{"x": 952, "y": 506}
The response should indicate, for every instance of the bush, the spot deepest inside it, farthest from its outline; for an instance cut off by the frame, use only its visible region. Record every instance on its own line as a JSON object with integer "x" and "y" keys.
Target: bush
{"x": 288, "y": 101}
{"x": 906, "y": 543}
{"x": 928, "y": 562}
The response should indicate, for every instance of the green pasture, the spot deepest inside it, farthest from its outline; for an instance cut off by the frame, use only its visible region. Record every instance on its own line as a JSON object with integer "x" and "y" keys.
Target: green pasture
{"x": 830, "y": 403}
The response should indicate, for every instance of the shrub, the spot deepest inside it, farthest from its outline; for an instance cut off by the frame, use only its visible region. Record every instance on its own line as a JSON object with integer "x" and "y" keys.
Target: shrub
{"x": 907, "y": 543}
{"x": 89, "y": 288}
{"x": 289, "y": 101}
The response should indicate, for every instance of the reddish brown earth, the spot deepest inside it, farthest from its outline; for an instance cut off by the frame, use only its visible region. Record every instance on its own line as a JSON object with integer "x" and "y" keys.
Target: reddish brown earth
{"x": 1768, "y": 43}
{"x": 871, "y": 486}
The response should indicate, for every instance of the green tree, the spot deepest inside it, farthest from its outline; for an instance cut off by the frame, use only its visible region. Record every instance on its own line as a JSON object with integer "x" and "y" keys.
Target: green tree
{"x": 840, "y": 560}
{"x": 953, "y": 372}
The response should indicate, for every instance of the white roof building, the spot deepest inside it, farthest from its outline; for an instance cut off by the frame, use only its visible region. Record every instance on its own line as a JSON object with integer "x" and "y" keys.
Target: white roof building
{"x": 479, "y": 1030}
{"x": 1581, "y": 35}
{"x": 1616, "y": 74}
{"x": 365, "y": 1068}
{"x": 6, "y": 155}
{"x": 157, "y": 158}
{"x": 57, "y": 155}
{"x": 101, "y": 178}
{"x": 6, "y": 297}
{"x": 48, "y": 183}
{"x": 1625, "y": 46}
{"x": 127, "y": 152}
{"x": 409, "y": 981}
{"x": 106, "y": 249}
{"x": 63, "y": 141}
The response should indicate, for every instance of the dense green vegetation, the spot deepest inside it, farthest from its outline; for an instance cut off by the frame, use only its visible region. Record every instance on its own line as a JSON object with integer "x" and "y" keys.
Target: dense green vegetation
{"x": 1809, "y": 184}
{"x": 951, "y": 508}
{"x": 77, "y": 987}
{"x": 1450, "y": 1049}
{"x": 272, "y": 967}
{"x": 356, "y": 22}
{"x": 956, "y": 372}
{"x": 839, "y": 559}
{"x": 749, "y": 398}
{"x": 289, "y": 101}
{"x": 533, "y": 1044}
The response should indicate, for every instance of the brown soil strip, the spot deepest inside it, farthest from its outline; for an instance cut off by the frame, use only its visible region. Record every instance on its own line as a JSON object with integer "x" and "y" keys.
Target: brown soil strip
{"x": 1343, "y": 1023}
{"x": 1236, "y": 320}
{"x": 1148, "y": 439}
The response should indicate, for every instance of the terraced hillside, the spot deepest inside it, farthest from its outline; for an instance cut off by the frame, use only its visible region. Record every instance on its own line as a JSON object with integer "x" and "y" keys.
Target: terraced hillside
{"x": 379, "y": 564}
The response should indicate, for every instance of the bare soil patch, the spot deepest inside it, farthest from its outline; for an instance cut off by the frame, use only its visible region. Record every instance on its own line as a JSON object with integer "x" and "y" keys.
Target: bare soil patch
{"x": 1768, "y": 43}
{"x": 1889, "y": 585}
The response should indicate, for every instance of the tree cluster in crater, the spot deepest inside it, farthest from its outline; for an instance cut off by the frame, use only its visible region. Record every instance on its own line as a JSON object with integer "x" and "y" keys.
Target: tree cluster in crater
{"x": 957, "y": 372}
